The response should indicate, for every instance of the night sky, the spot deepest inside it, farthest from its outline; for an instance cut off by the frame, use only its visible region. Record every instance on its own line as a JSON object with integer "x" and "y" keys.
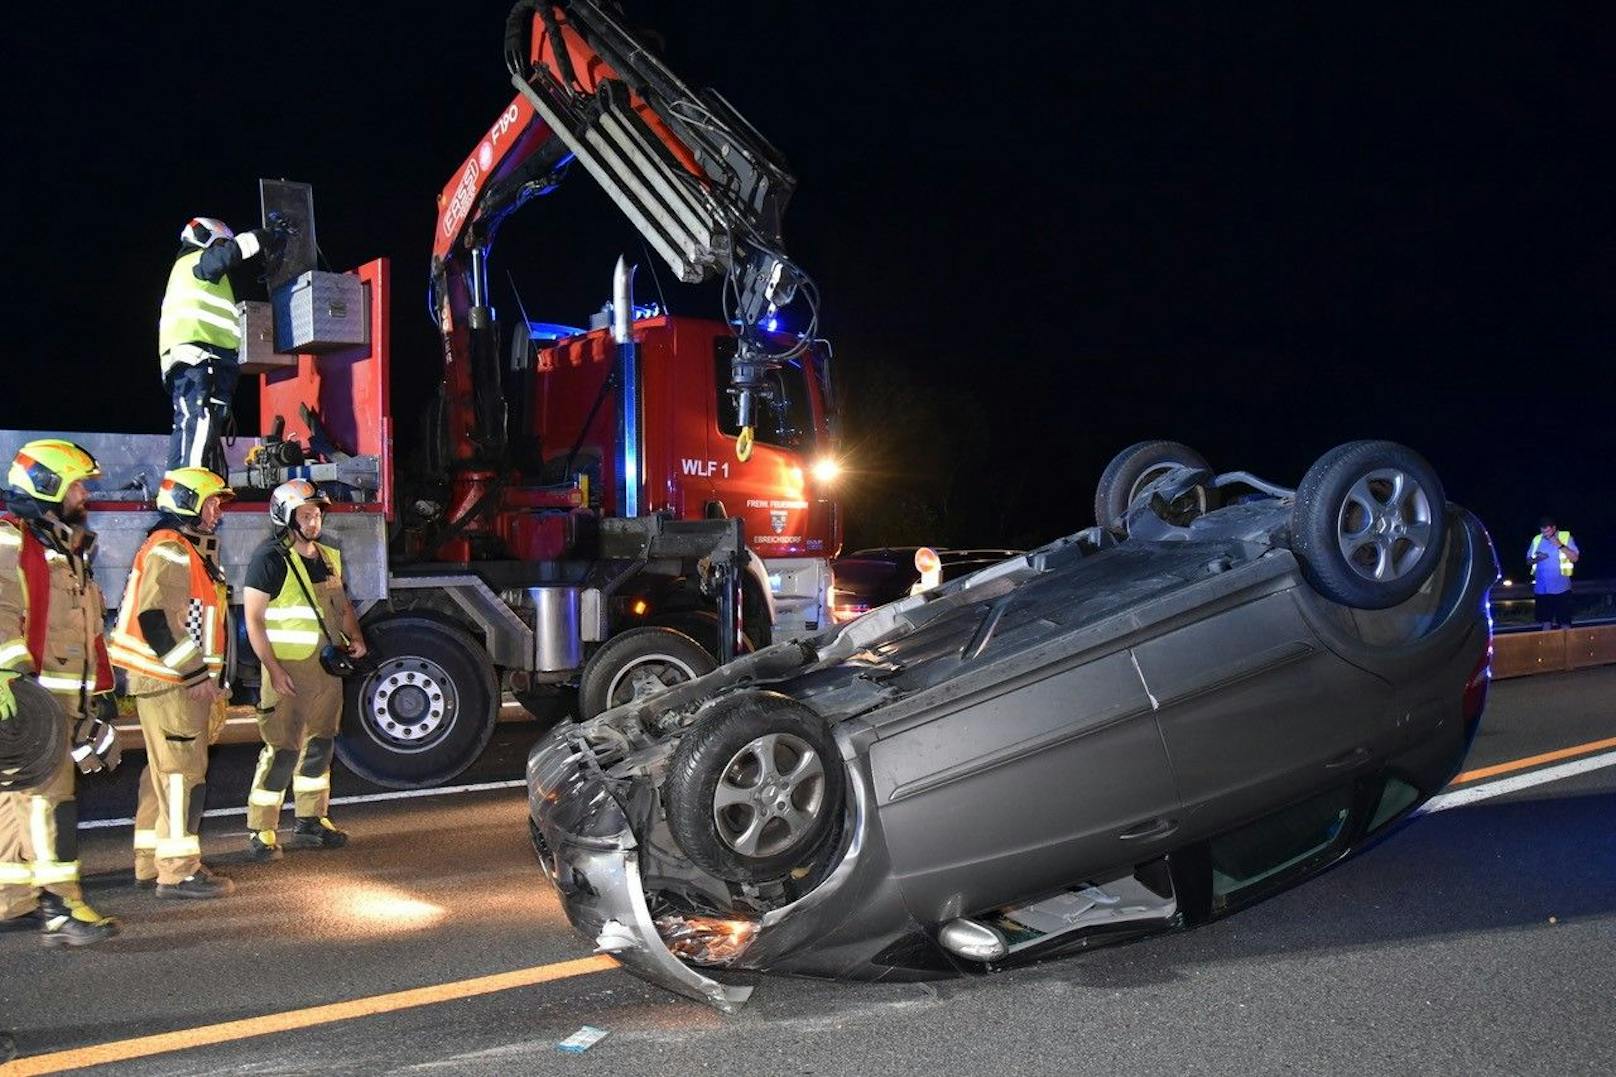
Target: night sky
{"x": 1040, "y": 234}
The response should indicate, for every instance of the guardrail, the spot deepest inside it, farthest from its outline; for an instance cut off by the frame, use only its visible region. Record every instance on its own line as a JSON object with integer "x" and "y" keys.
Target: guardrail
{"x": 1522, "y": 654}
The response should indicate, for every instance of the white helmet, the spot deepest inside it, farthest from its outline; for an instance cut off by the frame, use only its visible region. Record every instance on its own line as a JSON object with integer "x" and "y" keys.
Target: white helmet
{"x": 288, "y": 496}
{"x": 203, "y": 231}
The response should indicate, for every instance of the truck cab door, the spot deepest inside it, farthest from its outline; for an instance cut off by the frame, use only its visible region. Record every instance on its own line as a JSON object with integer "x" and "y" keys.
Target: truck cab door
{"x": 770, "y": 490}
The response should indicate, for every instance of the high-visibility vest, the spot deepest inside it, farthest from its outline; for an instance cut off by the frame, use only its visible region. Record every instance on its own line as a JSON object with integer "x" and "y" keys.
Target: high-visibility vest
{"x": 197, "y": 311}
{"x": 61, "y": 630}
{"x": 293, "y": 626}
{"x": 1565, "y": 562}
{"x": 206, "y": 615}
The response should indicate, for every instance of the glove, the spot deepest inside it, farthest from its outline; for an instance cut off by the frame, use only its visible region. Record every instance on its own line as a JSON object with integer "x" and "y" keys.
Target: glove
{"x": 8, "y": 702}
{"x": 279, "y": 227}
{"x": 95, "y": 739}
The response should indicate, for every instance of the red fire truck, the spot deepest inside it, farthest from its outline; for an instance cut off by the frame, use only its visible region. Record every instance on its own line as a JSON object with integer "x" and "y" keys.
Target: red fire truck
{"x": 599, "y": 512}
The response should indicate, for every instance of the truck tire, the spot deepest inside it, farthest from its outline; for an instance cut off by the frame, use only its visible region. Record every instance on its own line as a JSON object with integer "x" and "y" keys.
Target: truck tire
{"x": 1369, "y": 524}
{"x": 424, "y": 709}
{"x": 1132, "y": 469}
{"x": 755, "y": 788}
{"x": 637, "y": 663}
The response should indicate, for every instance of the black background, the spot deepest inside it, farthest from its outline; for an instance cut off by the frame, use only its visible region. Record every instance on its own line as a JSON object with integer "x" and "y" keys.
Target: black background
{"x": 1040, "y": 232}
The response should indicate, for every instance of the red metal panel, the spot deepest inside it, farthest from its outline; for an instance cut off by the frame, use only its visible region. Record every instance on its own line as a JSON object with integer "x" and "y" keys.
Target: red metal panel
{"x": 350, "y": 389}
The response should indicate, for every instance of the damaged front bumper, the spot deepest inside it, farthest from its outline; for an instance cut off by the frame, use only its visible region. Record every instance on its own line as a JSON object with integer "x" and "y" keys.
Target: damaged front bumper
{"x": 588, "y": 848}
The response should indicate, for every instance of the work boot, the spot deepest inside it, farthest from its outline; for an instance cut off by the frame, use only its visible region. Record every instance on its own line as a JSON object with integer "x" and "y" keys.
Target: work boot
{"x": 318, "y": 834}
{"x": 198, "y": 887}
{"x": 262, "y": 846}
{"x": 70, "y": 922}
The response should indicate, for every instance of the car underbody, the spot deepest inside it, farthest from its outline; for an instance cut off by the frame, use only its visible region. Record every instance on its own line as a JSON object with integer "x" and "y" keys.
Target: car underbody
{"x": 1107, "y": 737}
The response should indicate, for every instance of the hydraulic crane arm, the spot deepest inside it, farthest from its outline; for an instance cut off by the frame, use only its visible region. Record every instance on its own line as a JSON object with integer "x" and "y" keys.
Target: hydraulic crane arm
{"x": 700, "y": 184}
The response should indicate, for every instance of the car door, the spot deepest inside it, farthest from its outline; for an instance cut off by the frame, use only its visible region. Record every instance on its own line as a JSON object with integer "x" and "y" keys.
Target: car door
{"x": 1023, "y": 787}
{"x": 1255, "y": 711}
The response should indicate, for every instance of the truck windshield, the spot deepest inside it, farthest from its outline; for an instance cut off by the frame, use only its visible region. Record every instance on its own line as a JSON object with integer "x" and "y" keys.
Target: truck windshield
{"x": 787, "y": 421}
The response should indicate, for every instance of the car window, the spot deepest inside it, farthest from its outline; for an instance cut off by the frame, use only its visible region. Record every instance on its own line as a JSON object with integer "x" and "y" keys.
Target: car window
{"x": 1290, "y": 841}
{"x": 787, "y": 421}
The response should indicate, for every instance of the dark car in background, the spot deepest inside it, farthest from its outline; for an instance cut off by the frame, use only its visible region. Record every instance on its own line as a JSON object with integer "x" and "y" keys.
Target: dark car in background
{"x": 1222, "y": 688}
{"x": 865, "y": 579}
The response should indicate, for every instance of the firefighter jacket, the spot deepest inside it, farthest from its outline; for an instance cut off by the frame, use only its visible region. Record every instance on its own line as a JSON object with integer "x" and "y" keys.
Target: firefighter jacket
{"x": 292, "y": 622}
{"x": 173, "y": 624}
{"x": 197, "y": 310}
{"x": 1566, "y": 565}
{"x": 51, "y": 614}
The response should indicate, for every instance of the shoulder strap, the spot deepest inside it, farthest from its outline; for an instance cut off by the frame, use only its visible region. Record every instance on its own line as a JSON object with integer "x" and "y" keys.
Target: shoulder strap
{"x": 294, "y": 565}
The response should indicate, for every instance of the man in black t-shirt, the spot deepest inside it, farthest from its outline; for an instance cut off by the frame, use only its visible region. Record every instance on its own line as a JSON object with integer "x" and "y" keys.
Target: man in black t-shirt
{"x": 295, "y": 605}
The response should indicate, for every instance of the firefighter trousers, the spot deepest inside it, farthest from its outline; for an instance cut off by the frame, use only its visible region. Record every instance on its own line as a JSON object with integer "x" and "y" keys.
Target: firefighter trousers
{"x": 299, "y": 734}
{"x": 39, "y": 843}
{"x": 202, "y": 393}
{"x": 173, "y": 787}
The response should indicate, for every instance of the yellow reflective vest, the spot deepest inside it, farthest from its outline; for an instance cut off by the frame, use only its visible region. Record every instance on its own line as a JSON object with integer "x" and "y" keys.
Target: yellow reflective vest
{"x": 197, "y": 311}
{"x": 292, "y": 624}
{"x": 167, "y": 567}
{"x": 1566, "y": 565}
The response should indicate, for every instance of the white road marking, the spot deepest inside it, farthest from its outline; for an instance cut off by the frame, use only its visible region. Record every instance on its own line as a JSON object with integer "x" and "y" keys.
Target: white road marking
{"x": 1460, "y": 797}
{"x": 366, "y": 798}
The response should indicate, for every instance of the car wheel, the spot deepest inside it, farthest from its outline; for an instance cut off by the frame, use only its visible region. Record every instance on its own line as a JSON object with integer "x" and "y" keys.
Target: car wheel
{"x": 426, "y": 707}
{"x": 1135, "y": 467}
{"x": 1369, "y": 524}
{"x": 754, "y": 788}
{"x": 639, "y": 663}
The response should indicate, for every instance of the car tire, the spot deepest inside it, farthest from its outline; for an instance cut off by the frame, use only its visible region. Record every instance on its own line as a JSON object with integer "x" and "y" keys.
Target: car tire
{"x": 745, "y": 760}
{"x": 425, "y": 707}
{"x": 627, "y": 664}
{"x": 1369, "y": 524}
{"x": 1134, "y": 467}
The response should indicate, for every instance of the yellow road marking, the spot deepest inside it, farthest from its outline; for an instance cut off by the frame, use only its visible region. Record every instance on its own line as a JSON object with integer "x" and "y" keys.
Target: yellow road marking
{"x": 1535, "y": 760}
{"x": 226, "y": 1031}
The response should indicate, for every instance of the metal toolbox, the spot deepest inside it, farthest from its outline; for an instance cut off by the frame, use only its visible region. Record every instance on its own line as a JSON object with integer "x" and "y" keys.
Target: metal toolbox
{"x": 258, "y": 354}
{"x": 320, "y": 312}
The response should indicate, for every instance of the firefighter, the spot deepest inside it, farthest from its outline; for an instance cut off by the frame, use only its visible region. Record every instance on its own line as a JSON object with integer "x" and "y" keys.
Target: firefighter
{"x": 51, "y": 615}
{"x": 199, "y": 334}
{"x": 295, "y": 605}
{"x": 173, "y": 638}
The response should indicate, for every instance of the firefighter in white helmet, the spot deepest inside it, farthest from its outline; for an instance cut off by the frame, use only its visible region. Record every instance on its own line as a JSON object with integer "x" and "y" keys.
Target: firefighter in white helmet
{"x": 173, "y": 638}
{"x": 300, "y": 622}
{"x": 199, "y": 334}
{"x": 51, "y": 616}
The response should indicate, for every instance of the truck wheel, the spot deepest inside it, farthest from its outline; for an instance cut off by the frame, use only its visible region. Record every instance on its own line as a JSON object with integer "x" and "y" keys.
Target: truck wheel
{"x": 701, "y": 626}
{"x": 1369, "y": 524}
{"x": 636, "y": 664}
{"x": 754, "y": 788}
{"x": 1134, "y": 468}
{"x": 425, "y": 709}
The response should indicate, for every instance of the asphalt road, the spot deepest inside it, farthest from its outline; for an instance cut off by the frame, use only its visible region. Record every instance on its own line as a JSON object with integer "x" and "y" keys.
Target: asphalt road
{"x": 1478, "y": 939}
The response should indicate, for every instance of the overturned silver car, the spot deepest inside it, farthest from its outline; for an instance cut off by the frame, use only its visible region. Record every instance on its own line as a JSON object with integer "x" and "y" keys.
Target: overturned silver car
{"x": 1218, "y": 691}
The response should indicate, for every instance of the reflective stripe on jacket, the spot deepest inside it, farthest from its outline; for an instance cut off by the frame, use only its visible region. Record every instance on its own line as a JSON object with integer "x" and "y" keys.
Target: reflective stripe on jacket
{"x": 292, "y": 624}
{"x": 195, "y": 608}
{"x": 197, "y": 311}
{"x": 51, "y": 613}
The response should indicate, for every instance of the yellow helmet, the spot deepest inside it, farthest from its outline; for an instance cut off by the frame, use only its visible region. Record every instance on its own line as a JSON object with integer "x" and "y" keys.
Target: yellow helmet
{"x": 44, "y": 469}
{"x": 185, "y": 490}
